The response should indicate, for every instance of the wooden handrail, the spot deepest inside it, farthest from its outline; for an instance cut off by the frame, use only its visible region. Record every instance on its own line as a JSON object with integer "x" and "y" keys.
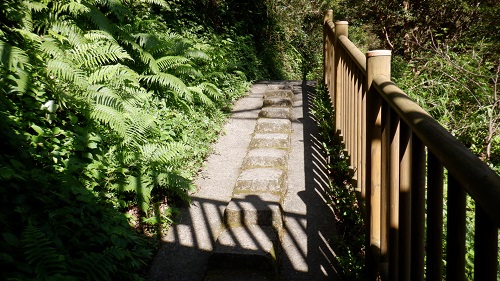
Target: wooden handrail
{"x": 399, "y": 153}
{"x": 480, "y": 182}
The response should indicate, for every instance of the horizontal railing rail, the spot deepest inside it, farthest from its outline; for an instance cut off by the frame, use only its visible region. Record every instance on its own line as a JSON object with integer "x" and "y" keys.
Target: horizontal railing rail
{"x": 405, "y": 165}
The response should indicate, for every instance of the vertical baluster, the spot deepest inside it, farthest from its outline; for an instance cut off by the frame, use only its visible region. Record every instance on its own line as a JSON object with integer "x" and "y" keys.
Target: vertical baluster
{"x": 418, "y": 209}
{"x": 345, "y": 100}
{"x": 405, "y": 234}
{"x": 332, "y": 67}
{"x": 326, "y": 47}
{"x": 358, "y": 135}
{"x": 485, "y": 247}
{"x": 377, "y": 63}
{"x": 342, "y": 93}
{"x": 434, "y": 219}
{"x": 364, "y": 158}
{"x": 384, "y": 190}
{"x": 350, "y": 127}
{"x": 341, "y": 28}
{"x": 455, "y": 236}
{"x": 347, "y": 111}
{"x": 394, "y": 197}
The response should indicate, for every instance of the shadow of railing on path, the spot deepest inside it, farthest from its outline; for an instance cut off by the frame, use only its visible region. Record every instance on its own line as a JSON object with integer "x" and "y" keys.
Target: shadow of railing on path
{"x": 309, "y": 253}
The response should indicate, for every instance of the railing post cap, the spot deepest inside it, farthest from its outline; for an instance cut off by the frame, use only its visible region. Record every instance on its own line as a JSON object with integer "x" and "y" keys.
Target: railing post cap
{"x": 341, "y": 22}
{"x": 377, "y": 53}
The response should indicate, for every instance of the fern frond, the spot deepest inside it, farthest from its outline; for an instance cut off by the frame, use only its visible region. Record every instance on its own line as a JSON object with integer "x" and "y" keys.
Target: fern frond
{"x": 98, "y": 35}
{"x": 93, "y": 55}
{"x": 200, "y": 97}
{"x": 144, "y": 56}
{"x": 103, "y": 95}
{"x": 176, "y": 183}
{"x": 67, "y": 31}
{"x": 114, "y": 72}
{"x": 27, "y": 19}
{"x": 118, "y": 9}
{"x": 111, "y": 117}
{"x": 140, "y": 94}
{"x": 211, "y": 90}
{"x": 197, "y": 54}
{"x": 7, "y": 173}
{"x": 138, "y": 127}
{"x": 146, "y": 40}
{"x": 41, "y": 253}
{"x": 12, "y": 57}
{"x": 130, "y": 123}
{"x": 100, "y": 20}
{"x": 15, "y": 61}
{"x": 73, "y": 7}
{"x": 163, "y": 154}
{"x": 168, "y": 81}
{"x": 142, "y": 187}
{"x": 29, "y": 35}
{"x": 66, "y": 72}
{"x": 95, "y": 266}
{"x": 161, "y": 3}
{"x": 52, "y": 48}
{"x": 169, "y": 62}
{"x": 35, "y": 6}
{"x": 185, "y": 70}
{"x": 181, "y": 47}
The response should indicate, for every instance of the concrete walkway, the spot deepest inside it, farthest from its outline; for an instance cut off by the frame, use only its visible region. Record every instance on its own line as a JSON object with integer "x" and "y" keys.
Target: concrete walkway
{"x": 308, "y": 222}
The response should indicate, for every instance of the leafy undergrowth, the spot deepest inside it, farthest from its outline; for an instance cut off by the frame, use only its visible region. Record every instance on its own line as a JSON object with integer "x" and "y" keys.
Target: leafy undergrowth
{"x": 106, "y": 115}
{"x": 350, "y": 239}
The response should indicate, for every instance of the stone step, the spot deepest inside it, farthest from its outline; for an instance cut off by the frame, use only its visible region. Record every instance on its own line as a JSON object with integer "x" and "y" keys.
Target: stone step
{"x": 270, "y": 140}
{"x": 245, "y": 248}
{"x": 249, "y": 246}
{"x": 272, "y": 125}
{"x": 285, "y": 86}
{"x": 278, "y": 94}
{"x": 264, "y": 158}
{"x": 254, "y": 209}
{"x": 276, "y": 112}
{"x": 277, "y": 102}
{"x": 260, "y": 180}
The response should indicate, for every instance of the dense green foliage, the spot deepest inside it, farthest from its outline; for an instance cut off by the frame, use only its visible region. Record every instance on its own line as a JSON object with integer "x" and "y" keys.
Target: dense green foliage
{"x": 284, "y": 36}
{"x": 350, "y": 239}
{"x": 106, "y": 115}
{"x": 446, "y": 56}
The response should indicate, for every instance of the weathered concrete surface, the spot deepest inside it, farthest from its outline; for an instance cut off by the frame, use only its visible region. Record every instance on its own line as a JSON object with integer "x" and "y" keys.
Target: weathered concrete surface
{"x": 265, "y": 158}
{"x": 308, "y": 226}
{"x": 246, "y": 247}
{"x": 279, "y": 94}
{"x": 309, "y": 222}
{"x": 255, "y": 209}
{"x": 272, "y": 125}
{"x": 276, "y": 112}
{"x": 188, "y": 244}
{"x": 280, "y": 140}
{"x": 277, "y": 101}
{"x": 260, "y": 180}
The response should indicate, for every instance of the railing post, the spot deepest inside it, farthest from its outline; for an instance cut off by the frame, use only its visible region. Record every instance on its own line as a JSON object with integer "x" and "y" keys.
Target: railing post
{"x": 341, "y": 28}
{"x": 377, "y": 63}
{"x": 327, "y": 61}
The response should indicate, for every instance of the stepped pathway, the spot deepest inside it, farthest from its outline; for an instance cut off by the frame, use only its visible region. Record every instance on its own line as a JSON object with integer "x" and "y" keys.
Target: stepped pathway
{"x": 260, "y": 212}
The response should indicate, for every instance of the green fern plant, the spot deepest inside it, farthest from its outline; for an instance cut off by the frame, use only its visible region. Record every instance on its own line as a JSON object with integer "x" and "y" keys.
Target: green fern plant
{"x": 41, "y": 254}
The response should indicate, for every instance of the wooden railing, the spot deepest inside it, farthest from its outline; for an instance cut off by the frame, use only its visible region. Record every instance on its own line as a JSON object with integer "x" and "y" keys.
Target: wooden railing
{"x": 402, "y": 158}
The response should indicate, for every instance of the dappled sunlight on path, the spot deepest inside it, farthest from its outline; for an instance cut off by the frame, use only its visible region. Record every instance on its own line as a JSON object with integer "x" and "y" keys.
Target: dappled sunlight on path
{"x": 306, "y": 227}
